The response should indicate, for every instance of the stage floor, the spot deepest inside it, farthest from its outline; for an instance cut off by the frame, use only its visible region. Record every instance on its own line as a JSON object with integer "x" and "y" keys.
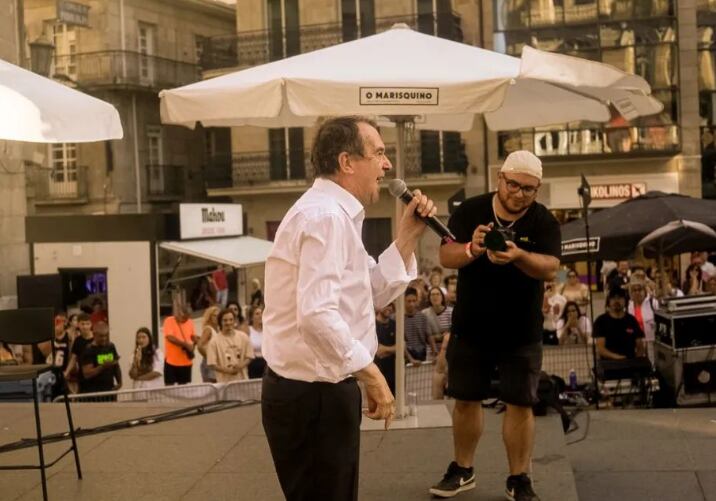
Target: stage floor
{"x": 659, "y": 455}
{"x": 224, "y": 456}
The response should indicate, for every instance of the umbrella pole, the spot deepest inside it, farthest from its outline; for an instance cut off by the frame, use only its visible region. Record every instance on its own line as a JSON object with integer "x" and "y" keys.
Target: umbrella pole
{"x": 586, "y": 199}
{"x": 400, "y": 302}
{"x": 662, "y": 273}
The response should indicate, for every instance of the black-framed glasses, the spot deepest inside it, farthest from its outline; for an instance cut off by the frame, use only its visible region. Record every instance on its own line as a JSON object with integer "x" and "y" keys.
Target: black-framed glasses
{"x": 513, "y": 187}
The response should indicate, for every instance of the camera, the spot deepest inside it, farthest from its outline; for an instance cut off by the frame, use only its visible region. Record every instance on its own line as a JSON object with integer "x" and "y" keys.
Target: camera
{"x": 496, "y": 240}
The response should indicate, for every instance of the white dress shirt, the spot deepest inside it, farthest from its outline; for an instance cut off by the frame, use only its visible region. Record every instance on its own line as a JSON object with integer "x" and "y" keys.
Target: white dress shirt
{"x": 322, "y": 288}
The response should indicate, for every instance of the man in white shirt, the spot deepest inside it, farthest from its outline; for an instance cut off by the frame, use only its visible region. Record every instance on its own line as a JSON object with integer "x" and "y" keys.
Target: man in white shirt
{"x": 321, "y": 292}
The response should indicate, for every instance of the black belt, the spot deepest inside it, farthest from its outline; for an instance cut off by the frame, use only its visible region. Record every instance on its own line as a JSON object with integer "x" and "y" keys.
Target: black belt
{"x": 270, "y": 372}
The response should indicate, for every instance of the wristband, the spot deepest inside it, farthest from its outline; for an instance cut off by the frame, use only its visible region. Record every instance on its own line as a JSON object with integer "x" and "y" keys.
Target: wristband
{"x": 468, "y": 251}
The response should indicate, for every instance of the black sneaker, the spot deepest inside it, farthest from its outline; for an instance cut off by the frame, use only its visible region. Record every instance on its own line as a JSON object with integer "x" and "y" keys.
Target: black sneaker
{"x": 519, "y": 488}
{"x": 456, "y": 480}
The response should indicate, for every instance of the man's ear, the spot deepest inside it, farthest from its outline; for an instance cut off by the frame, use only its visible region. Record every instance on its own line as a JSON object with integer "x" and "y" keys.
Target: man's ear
{"x": 344, "y": 163}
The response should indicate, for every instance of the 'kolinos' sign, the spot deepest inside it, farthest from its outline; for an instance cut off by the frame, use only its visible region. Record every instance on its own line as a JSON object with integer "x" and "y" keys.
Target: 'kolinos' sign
{"x": 210, "y": 220}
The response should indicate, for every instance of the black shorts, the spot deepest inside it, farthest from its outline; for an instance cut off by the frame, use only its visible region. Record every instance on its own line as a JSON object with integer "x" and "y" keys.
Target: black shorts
{"x": 176, "y": 374}
{"x": 471, "y": 368}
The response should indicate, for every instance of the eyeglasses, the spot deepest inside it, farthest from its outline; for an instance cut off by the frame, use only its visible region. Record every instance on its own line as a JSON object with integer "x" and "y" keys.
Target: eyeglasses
{"x": 513, "y": 187}
{"x": 380, "y": 156}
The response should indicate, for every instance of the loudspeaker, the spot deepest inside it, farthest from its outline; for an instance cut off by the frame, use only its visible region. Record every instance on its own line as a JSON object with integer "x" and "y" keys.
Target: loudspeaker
{"x": 35, "y": 291}
{"x": 690, "y": 374}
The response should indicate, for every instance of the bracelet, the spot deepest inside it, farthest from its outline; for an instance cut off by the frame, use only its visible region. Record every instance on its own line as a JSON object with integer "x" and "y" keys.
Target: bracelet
{"x": 468, "y": 251}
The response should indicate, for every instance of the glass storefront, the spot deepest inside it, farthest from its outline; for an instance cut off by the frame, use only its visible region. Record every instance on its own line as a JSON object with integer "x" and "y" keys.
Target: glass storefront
{"x": 636, "y": 36}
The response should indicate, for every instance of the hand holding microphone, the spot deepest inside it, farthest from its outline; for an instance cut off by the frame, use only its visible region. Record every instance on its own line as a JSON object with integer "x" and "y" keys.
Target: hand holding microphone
{"x": 422, "y": 208}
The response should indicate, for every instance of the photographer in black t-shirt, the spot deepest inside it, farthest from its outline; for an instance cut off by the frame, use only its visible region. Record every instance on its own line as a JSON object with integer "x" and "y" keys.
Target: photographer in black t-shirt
{"x": 497, "y": 321}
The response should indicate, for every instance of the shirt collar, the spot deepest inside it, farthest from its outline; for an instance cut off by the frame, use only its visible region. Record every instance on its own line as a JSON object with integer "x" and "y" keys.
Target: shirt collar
{"x": 345, "y": 199}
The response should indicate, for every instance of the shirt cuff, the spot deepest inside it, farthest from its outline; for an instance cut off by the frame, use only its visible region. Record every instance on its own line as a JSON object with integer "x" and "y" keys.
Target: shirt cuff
{"x": 393, "y": 266}
{"x": 359, "y": 358}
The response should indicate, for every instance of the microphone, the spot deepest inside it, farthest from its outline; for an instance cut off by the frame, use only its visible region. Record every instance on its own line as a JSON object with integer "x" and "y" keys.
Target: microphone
{"x": 398, "y": 189}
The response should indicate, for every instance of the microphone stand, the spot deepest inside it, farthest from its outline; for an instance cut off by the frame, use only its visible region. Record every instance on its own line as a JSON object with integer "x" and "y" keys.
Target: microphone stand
{"x": 585, "y": 194}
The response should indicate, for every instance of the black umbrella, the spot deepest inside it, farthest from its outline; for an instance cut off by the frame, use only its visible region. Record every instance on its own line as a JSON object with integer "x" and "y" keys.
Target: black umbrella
{"x": 615, "y": 232}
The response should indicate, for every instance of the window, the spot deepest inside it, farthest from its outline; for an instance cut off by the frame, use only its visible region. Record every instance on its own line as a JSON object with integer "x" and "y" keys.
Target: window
{"x": 358, "y": 18}
{"x": 707, "y": 96}
{"x": 145, "y": 44}
{"x": 435, "y": 18}
{"x": 284, "y": 29}
{"x": 65, "y": 55}
{"x": 199, "y": 42}
{"x": 63, "y": 177}
{"x": 441, "y": 152}
{"x": 286, "y": 154}
{"x": 155, "y": 158}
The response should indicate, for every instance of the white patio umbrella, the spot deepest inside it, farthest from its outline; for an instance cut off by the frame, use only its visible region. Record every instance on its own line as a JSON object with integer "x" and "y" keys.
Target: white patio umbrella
{"x": 403, "y": 72}
{"x": 677, "y": 237}
{"x": 404, "y": 76}
{"x": 37, "y": 109}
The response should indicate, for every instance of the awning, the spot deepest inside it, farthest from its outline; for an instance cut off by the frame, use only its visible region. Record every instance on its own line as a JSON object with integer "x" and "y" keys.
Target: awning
{"x": 238, "y": 252}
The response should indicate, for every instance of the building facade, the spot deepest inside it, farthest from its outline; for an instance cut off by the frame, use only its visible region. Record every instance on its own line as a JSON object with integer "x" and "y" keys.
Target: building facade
{"x": 661, "y": 40}
{"x": 14, "y": 253}
{"x": 655, "y": 39}
{"x": 266, "y": 170}
{"x": 124, "y": 52}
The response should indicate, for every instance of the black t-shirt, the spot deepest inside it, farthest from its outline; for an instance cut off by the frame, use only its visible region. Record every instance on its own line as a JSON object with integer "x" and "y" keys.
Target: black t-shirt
{"x": 618, "y": 282}
{"x": 62, "y": 352}
{"x": 78, "y": 348}
{"x": 499, "y": 305}
{"x": 386, "y": 332}
{"x": 96, "y": 355}
{"x": 620, "y": 334}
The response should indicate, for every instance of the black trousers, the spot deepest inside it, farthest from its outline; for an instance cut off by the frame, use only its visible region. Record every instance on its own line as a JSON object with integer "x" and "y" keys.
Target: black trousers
{"x": 176, "y": 374}
{"x": 313, "y": 431}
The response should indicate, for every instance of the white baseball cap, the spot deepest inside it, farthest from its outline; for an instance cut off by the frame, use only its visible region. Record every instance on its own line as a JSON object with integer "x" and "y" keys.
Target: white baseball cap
{"x": 523, "y": 162}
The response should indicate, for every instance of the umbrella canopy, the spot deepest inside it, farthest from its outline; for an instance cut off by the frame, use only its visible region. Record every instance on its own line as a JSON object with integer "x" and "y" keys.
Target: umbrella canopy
{"x": 37, "y": 109}
{"x": 616, "y": 232}
{"x": 403, "y": 72}
{"x": 677, "y": 237}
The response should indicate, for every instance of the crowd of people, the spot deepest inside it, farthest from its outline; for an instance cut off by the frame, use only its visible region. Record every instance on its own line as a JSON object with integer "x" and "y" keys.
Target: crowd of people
{"x": 625, "y": 328}
{"x": 85, "y": 360}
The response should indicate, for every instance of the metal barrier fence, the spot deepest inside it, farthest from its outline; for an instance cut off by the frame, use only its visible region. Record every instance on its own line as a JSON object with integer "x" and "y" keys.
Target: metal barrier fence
{"x": 557, "y": 360}
{"x": 418, "y": 379}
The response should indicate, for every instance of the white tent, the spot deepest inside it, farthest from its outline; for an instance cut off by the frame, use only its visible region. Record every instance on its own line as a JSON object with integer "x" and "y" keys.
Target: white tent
{"x": 37, "y": 109}
{"x": 404, "y": 76}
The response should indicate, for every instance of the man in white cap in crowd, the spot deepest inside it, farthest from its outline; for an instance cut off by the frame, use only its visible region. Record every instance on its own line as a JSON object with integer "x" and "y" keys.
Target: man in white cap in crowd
{"x": 506, "y": 245}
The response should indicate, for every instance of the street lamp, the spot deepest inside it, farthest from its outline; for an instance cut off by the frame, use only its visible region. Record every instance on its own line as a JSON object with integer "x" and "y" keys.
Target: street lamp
{"x": 41, "y": 56}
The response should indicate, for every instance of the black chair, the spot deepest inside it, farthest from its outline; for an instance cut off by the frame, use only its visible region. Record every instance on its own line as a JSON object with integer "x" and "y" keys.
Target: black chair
{"x": 33, "y": 326}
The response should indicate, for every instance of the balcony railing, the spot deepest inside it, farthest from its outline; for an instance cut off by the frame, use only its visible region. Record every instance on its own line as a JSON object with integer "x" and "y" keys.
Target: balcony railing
{"x": 61, "y": 185}
{"x": 125, "y": 68}
{"x": 592, "y": 141}
{"x": 251, "y": 48}
{"x": 256, "y": 169}
{"x": 165, "y": 182}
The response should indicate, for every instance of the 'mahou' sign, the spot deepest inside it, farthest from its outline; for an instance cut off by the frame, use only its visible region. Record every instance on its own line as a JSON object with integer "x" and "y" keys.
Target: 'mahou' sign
{"x": 399, "y": 96}
{"x": 210, "y": 220}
